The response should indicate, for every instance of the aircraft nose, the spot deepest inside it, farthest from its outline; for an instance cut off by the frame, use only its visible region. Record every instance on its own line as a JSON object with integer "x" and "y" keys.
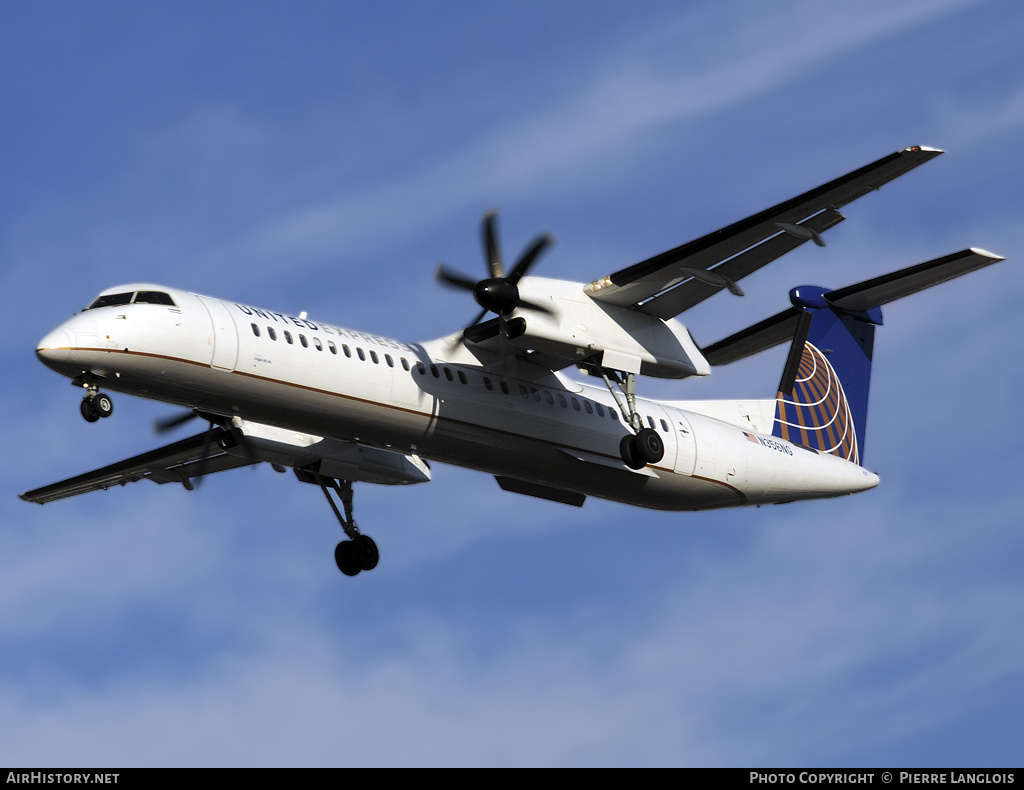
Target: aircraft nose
{"x": 55, "y": 347}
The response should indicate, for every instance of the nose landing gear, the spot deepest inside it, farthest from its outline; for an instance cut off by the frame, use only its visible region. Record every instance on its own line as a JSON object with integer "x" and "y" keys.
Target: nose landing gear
{"x": 96, "y": 404}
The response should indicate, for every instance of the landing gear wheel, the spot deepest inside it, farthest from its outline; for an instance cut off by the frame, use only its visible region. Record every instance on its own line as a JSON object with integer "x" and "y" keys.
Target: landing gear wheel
{"x": 345, "y": 556}
{"x": 89, "y": 410}
{"x": 650, "y": 445}
{"x": 103, "y": 404}
{"x": 631, "y": 453}
{"x": 366, "y": 552}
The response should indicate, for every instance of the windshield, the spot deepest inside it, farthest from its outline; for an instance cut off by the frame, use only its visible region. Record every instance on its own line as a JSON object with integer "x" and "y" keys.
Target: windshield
{"x": 111, "y": 300}
{"x": 140, "y": 297}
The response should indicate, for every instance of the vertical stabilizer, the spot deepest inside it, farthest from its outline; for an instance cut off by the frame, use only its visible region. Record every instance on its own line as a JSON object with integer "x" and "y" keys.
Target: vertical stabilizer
{"x": 822, "y": 400}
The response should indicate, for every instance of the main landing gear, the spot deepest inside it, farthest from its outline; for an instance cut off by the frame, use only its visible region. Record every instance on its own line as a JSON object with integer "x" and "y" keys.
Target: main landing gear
{"x": 96, "y": 404}
{"x": 643, "y": 446}
{"x": 359, "y": 552}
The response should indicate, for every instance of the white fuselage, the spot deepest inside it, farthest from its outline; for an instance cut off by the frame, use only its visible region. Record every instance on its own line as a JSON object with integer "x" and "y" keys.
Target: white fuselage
{"x": 546, "y": 429}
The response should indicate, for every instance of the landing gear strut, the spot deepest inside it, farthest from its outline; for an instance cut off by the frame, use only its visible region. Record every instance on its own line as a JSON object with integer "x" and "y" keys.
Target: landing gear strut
{"x": 96, "y": 404}
{"x": 359, "y": 552}
{"x": 644, "y": 446}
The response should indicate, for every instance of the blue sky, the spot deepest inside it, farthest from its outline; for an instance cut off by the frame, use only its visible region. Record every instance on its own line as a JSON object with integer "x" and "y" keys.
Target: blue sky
{"x": 324, "y": 157}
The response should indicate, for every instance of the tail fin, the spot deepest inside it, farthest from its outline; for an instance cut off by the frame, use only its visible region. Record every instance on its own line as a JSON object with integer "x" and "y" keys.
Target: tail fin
{"x": 822, "y": 400}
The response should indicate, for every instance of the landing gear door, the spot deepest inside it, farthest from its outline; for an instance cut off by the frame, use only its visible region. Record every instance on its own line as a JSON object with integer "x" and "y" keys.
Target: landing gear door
{"x": 686, "y": 445}
{"x": 223, "y": 335}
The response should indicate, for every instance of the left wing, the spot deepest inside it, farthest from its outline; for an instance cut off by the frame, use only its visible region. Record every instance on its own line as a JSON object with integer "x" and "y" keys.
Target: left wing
{"x": 682, "y": 277}
{"x": 180, "y": 462}
{"x": 244, "y": 443}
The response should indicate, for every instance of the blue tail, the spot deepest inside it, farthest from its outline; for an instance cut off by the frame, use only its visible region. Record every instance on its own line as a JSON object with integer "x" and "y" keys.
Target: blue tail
{"x": 822, "y": 400}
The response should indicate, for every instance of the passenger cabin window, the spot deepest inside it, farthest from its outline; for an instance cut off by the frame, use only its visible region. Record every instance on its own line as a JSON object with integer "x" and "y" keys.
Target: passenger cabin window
{"x": 255, "y": 330}
{"x": 271, "y": 333}
{"x": 288, "y": 337}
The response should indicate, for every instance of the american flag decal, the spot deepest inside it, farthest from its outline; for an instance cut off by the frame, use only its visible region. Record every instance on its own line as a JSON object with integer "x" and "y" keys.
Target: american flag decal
{"x": 816, "y": 413}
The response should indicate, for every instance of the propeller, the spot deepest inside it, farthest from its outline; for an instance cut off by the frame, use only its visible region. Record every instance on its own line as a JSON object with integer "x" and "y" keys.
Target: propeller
{"x": 215, "y": 421}
{"x": 498, "y": 293}
{"x": 170, "y": 423}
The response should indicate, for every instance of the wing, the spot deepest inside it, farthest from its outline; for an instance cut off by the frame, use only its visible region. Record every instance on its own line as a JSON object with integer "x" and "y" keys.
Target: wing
{"x": 745, "y": 246}
{"x": 180, "y": 462}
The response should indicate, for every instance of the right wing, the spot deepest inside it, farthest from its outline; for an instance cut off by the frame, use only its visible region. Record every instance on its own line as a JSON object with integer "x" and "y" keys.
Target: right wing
{"x": 661, "y": 286}
{"x": 180, "y": 462}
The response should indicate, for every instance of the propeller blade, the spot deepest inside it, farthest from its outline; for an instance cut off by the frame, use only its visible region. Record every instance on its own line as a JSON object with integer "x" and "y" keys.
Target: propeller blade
{"x": 491, "y": 248}
{"x": 528, "y": 257}
{"x": 476, "y": 320}
{"x": 454, "y": 279}
{"x": 198, "y": 479}
{"x": 534, "y": 306}
{"x": 168, "y": 423}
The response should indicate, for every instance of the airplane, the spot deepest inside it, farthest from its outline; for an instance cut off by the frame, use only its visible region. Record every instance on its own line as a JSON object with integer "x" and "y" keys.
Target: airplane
{"x": 340, "y": 407}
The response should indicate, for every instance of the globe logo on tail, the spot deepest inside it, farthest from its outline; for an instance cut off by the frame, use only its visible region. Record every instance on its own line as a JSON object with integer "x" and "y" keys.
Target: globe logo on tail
{"x": 816, "y": 413}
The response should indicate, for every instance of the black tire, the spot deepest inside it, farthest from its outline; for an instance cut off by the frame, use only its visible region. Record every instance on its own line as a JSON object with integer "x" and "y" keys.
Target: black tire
{"x": 650, "y": 445}
{"x": 89, "y": 411}
{"x": 366, "y": 552}
{"x": 630, "y": 452}
{"x": 345, "y": 557}
{"x": 103, "y": 404}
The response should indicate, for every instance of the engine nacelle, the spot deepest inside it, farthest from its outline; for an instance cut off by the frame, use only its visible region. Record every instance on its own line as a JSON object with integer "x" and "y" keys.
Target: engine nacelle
{"x": 578, "y": 327}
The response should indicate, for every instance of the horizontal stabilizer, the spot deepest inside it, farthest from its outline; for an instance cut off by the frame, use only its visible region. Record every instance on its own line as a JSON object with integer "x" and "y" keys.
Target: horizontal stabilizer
{"x": 857, "y": 298}
{"x": 890, "y": 287}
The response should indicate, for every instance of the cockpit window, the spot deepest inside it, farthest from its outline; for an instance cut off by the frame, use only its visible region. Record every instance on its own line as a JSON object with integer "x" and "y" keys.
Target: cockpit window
{"x": 154, "y": 297}
{"x": 141, "y": 297}
{"x": 110, "y": 300}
